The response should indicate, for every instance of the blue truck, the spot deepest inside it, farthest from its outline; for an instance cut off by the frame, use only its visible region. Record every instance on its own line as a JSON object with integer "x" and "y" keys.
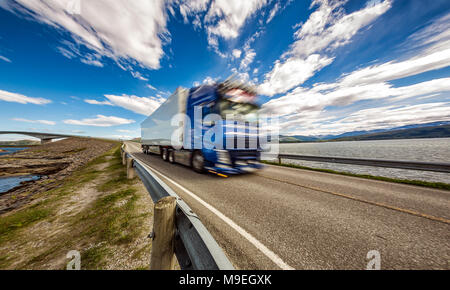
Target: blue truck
{"x": 211, "y": 128}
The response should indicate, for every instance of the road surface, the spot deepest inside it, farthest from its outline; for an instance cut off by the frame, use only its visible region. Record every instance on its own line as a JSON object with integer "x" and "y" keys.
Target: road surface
{"x": 291, "y": 218}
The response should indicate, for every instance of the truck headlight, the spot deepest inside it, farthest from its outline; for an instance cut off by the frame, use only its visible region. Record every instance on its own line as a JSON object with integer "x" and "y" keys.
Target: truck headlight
{"x": 223, "y": 156}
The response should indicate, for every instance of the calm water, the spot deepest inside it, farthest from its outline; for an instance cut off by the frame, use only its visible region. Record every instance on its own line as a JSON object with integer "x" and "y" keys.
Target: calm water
{"x": 8, "y": 183}
{"x": 10, "y": 150}
{"x": 426, "y": 150}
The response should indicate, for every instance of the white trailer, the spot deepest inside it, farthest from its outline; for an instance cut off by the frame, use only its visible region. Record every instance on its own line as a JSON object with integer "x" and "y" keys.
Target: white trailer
{"x": 157, "y": 130}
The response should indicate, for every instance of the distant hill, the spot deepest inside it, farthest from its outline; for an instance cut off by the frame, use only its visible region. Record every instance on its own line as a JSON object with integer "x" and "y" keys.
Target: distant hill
{"x": 374, "y": 134}
{"x": 422, "y": 132}
{"x": 20, "y": 143}
{"x": 298, "y": 138}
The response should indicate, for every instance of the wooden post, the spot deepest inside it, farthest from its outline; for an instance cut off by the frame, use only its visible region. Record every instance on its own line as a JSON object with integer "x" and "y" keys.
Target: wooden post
{"x": 131, "y": 173}
{"x": 279, "y": 160}
{"x": 162, "y": 256}
{"x": 124, "y": 160}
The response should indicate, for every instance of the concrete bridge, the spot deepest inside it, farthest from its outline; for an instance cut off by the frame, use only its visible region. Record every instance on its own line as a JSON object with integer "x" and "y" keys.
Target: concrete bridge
{"x": 45, "y": 137}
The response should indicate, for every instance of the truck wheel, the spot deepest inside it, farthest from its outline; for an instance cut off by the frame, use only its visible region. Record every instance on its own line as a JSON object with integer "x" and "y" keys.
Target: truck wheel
{"x": 198, "y": 162}
{"x": 171, "y": 156}
{"x": 165, "y": 154}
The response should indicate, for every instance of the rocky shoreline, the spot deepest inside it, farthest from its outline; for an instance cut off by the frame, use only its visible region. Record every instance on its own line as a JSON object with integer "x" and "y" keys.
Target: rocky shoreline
{"x": 52, "y": 162}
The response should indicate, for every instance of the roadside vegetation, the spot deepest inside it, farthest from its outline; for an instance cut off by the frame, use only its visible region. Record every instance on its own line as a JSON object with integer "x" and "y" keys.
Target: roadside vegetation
{"x": 96, "y": 211}
{"x": 438, "y": 185}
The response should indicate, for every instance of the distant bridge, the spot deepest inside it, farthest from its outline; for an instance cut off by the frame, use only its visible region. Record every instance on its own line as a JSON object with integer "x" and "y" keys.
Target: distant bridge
{"x": 45, "y": 137}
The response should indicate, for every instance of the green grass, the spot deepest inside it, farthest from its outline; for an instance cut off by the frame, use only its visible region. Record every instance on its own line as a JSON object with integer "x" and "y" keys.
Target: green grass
{"x": 112, "y": 220}
{"x": 4, "y": 261}
{"x": 439, "y": 185}
{"x": 94, "y": 258}
{"x": 10, "y": 224}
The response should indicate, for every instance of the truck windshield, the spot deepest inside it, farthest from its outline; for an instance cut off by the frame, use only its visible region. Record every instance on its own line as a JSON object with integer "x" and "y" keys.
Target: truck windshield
{"x": 246, "y": 111}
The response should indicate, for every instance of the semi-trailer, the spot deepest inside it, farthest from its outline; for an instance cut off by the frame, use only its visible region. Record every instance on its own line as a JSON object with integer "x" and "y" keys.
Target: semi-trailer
{"x": 211, "y": 128}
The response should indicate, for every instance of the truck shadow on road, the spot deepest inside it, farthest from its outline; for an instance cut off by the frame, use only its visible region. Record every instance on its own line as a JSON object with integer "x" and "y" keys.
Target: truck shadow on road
{"x": 180, "y": 171}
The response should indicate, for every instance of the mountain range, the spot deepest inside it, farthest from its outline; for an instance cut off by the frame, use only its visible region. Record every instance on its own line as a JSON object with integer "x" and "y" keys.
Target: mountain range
{"x": 426, "y": 130}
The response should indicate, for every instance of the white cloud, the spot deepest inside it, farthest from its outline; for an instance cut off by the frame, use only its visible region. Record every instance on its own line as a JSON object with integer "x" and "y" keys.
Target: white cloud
{"x": 423, "y": 62}
{"x": 378, "y": 118}
{"x": 126, "y": 31}
{"x": 95, "y": 102}
{"x": 18, "y": 98}
{"x": 236, "y": 53}
{"x": 221, "y": 18}
{"x": 326, "y": 29}
{"x": 209, "y": 80}
{"x": 100, "y": 121}
{"x": 303, "y": 110}
{"x": 4, "y": 58}
{"x": 93, "y": 62}
{"x": 273, "y": 12}
{"x": 248, "y": 59}
{"x": 372, "y": 82}
{"x": 226, "y": 17}
{"x": 138, "y": 75}
{"x": 436, "y": 35}
{"x": 123, "y": 137}
{"x": 45, "y": 122}
{"x": 302, "y": 100}
{"x": 292, "y": 72}
{"x": 72, "y": 50}
{"x": 150, "y": 87}
{"x": 140, "y": 105}
{"x": 191, "y": 7}
{"x": 206, "y": 81}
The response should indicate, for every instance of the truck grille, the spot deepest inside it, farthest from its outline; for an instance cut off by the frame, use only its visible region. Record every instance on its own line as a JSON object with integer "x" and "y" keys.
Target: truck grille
{"x": 238, "y": 155}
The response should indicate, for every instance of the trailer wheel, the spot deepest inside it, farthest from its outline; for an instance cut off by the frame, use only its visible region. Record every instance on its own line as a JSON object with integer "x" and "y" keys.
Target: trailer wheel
{"x": 165, "y": 154}
{"x": 171, "y": 156}
{"x": 198, "y": 162}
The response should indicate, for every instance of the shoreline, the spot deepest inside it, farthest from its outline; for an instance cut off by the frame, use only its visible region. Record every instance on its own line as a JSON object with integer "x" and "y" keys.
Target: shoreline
{"x": 22, "y": 184}
{"x": 437, "y": 185}
{"x": 95, "y": 210}
{"x": 51, "y": 162}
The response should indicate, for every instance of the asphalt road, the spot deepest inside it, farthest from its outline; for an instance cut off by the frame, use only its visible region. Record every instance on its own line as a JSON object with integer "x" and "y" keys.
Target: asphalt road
{"x": 291, "y": 218}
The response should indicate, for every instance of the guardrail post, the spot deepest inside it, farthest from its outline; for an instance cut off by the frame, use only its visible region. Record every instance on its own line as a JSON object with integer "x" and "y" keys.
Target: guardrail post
{"x": 162, "y": 256}
{"x": 131, "y": 173}
{"x": 124, "y": 156}
{"x": 279, "y": 160}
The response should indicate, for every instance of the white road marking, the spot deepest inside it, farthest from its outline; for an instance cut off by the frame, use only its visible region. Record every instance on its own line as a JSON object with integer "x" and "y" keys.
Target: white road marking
{"x": 266, "y": 251}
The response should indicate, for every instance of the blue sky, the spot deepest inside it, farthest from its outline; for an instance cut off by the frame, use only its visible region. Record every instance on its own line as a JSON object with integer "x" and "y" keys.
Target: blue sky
{"x": 99, "y": 67}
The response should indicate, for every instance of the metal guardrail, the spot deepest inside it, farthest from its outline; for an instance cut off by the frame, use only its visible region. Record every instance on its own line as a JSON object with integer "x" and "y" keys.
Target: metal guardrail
{"x": 195, "y": 248}
{"x": 413, "y": 165}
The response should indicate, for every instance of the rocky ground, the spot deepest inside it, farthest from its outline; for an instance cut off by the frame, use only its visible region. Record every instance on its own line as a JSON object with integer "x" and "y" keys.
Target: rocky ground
{"x": 53, "y": 162}
{"x": 95, "y": 211}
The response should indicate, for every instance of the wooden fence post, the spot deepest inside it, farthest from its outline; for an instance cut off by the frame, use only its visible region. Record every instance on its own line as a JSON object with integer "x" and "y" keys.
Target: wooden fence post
{"x": 162, "y": 256}
{"x": 131, "y": 173}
